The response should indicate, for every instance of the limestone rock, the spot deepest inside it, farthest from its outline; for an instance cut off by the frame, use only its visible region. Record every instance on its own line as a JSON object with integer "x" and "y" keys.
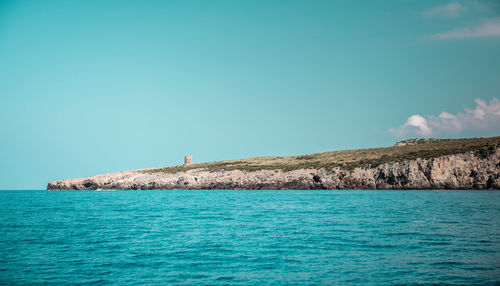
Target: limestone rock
{"x": 460, "y": 171}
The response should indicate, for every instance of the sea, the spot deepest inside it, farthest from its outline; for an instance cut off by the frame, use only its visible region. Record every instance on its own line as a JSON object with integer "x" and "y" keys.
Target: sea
{"x": 249, "y": 237}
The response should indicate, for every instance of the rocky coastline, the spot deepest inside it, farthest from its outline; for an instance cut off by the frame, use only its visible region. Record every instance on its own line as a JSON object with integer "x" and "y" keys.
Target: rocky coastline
{"x": 469, "y": 170}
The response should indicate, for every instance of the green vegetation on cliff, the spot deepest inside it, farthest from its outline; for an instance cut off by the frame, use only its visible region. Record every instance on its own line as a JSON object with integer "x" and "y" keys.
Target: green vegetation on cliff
{"x": 349, "y": 159}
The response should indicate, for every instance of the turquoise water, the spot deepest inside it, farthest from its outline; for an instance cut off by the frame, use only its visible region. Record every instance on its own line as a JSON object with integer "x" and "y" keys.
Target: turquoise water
{"x": 249, "y": 237}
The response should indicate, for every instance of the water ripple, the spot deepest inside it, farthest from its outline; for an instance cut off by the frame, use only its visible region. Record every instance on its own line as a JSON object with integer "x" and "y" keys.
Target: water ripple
{"x": 249, "y": 237}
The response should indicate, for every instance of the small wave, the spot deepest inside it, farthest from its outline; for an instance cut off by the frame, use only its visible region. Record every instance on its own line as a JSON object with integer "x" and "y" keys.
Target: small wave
{"x": 225, "y": 278}
{"x": 451, "y": 263}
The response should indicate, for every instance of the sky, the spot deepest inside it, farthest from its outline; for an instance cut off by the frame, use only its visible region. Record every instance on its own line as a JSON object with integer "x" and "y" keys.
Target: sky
{"x": 90, "y": 87}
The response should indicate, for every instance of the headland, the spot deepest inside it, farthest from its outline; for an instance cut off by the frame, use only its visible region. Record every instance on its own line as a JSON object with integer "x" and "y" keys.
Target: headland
{"x": 411, "y": 164}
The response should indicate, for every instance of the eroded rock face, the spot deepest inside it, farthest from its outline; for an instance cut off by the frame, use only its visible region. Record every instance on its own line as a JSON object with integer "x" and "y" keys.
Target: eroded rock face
{"x": 462, "y": 171}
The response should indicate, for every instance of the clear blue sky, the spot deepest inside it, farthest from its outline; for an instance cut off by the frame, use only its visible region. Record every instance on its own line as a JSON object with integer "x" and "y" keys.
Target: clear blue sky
{"x": 90, "y": 87}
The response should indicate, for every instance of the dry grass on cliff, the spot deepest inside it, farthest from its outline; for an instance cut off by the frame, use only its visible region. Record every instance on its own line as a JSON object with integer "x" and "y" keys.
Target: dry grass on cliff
{"x": 348, "y": 159}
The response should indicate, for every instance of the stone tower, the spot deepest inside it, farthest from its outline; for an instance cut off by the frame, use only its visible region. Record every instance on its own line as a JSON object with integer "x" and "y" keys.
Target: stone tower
{"x": 188, "y": 160}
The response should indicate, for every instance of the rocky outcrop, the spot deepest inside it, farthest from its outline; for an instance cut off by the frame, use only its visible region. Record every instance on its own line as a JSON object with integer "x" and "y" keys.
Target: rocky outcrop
{"x": 417, "y": 141}
{"x": 461, "y": 171}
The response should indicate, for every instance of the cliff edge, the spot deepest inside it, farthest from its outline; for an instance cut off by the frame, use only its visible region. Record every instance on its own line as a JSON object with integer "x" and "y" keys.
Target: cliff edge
{"x": 435, "y": 164}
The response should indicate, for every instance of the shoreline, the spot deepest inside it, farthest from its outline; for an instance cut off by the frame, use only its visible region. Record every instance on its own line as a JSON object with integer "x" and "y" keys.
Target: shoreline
{"x": 466, "y": 164}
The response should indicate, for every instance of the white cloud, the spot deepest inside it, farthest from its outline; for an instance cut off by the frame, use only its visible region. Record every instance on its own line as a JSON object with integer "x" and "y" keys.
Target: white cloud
{"x": 489, "y": 28}
{"x": 483, "y": 117}
{"x": 453, "y": 9}
{"x": 415, "y": 124}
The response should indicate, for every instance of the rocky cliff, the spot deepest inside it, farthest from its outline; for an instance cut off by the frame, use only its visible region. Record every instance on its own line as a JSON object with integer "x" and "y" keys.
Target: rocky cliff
{"x": 475, "y": 166}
